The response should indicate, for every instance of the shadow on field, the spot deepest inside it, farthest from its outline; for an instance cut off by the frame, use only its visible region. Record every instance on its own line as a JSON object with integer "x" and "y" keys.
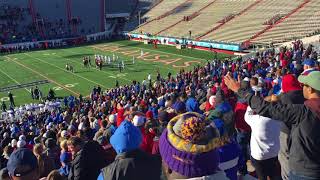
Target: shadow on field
{"x": 130, "y": 44}
{"x": 77, "y": 56}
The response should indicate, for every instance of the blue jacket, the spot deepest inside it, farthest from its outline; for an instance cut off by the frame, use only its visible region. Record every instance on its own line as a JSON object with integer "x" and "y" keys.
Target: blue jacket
{"x": 192, "y": 105}
{"x": 231, "y": 159}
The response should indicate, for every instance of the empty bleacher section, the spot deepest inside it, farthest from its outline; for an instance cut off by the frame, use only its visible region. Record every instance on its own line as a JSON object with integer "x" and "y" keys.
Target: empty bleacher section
{"x": 159, "y": 10}
{"x": 303, "y": 23}
{"x": 235, "y": 21}
{"x": 249, "y": 23}
{"x": 207, "y": 18}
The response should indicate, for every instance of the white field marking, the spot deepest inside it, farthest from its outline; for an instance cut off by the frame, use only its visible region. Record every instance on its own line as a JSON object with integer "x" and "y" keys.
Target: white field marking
{"x": 65, "y": 70}
{"x": 28, "y": 90}
{"x": 110, "y": 74}
{"x": 137, "y": 60}
{"x": 193, "y": 58}
{"x": 154, "y": 63}
{"x": 36, "y": 72}
{"x": 6, "y": 98}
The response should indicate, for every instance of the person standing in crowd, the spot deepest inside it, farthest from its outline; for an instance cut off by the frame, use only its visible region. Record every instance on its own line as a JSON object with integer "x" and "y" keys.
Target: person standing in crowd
{"x": 188, "y": 147}
{"x": 291, "y": 94}
{"x": 10, "y": 95}
{"x": 23, "y": 165}
{"x": 264, "y": 144}
{"x": 85, "y": 164}
{"x": 3, "y": 106}
{"x": 130, "y": 162}
{"x": 304, "y": 161}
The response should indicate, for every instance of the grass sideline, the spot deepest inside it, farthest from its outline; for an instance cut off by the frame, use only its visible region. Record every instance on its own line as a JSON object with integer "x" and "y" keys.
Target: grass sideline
{"x": 50, "y": 64}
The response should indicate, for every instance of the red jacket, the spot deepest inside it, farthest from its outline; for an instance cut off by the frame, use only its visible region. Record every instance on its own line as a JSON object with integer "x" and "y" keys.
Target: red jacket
{"x": 147, "y": 140}
{"x": 240, "y": 111}
{"x": 120, "y": 116}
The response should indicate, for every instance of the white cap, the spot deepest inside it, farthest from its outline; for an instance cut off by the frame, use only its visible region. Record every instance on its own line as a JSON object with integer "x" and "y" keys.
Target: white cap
{"x": 21, "y": 143}
{"x": 112, "y": 118}
{"x": 246, "y": 79}
{"x": 64, "y": 133}
{"x": 212, "y": 100}
{"x": 13, "y": 143}
{"x": 138, "y": 120}
{"x": 22, "y": 137}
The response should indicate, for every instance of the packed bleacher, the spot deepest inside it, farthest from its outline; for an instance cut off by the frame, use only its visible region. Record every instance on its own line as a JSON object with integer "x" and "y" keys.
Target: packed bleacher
{"x": 211, "y": 122}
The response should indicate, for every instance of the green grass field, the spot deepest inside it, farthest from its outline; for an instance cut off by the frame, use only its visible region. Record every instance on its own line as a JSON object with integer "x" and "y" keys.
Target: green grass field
{"x": 49, "y": 65}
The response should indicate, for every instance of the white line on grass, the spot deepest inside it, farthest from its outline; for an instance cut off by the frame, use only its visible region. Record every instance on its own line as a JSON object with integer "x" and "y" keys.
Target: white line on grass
{"x": 65, "y": 70}
{"x": 165, "y": 66}
{"x": 194, "y": 58}
{"x": 14, "y": 80}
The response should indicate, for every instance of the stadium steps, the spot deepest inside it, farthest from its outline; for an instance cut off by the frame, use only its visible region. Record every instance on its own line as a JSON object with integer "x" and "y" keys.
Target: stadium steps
{"x": 209, "y": 16}
{"x": 34, "y": 18}
{"x": 193, "y": 15}
{"x": 167, "y": 13}
{"x": 278, "y": 22}
{"x": 301, "y": 24}
{"x": 179, "y": 14}
{"x": 220, "y": 25}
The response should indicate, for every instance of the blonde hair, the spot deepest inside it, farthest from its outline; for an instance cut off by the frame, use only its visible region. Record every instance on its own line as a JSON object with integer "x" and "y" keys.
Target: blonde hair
{"x": 64, "y": 145}
{"x": 38, "y": 149}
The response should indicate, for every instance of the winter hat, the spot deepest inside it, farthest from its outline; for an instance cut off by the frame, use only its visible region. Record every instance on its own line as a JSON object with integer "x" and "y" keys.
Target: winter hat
{"x": 179, "y": 106}
{"x": 290, "y": 83}
{"x": 212, "y": 100}
{"x": 188, "y": 146}
{"x": 21, "y": 158}
{"x": 112, "y": 118}
{"x": 163, "y": 116}
{"x": 21, "y": 143}
{"x": 126, "y": 138}
{"x": 22, "y": 137}
{"x": 149, "y": 115}
{"x": 138, "y": 120}
{"x": 64, "y": 133}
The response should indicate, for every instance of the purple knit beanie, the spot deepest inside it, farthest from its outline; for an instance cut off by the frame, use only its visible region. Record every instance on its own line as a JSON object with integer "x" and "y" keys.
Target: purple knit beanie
{"x": 186, "y": 155}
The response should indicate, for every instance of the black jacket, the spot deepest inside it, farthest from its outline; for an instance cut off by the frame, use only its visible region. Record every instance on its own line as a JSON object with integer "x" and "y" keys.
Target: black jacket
{"x": 304, "y": 120}
{"x": 87, "y": 162}
{"x": 292, "y": 97}
{"x": 133, "y": 165}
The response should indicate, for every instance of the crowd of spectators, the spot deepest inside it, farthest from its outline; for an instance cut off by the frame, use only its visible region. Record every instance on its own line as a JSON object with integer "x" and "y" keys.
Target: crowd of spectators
{"x": 16, "y": 25}
{"x": 205, "y": 123}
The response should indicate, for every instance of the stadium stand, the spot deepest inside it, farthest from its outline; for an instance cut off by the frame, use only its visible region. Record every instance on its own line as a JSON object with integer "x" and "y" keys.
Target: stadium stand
{"x": 210, "y": 16}
{"x": 234, "y": 21}
{"x": 242, "y": 27}
{"x": 303, "y": 23}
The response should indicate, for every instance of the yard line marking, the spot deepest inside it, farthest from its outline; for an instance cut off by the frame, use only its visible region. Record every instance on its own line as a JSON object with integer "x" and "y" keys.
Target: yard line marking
{"x": 51, "y": 80}
{"x": 92, "y": 50}
{"x": 28, "y": 90}
{"x": 65, "y": 70}
{"x": 162, "y": 52}
{"x": 93, "y": 68}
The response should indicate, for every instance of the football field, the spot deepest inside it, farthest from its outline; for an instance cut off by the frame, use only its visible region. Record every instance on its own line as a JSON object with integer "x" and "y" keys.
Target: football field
{"x": 46, "y": 68}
